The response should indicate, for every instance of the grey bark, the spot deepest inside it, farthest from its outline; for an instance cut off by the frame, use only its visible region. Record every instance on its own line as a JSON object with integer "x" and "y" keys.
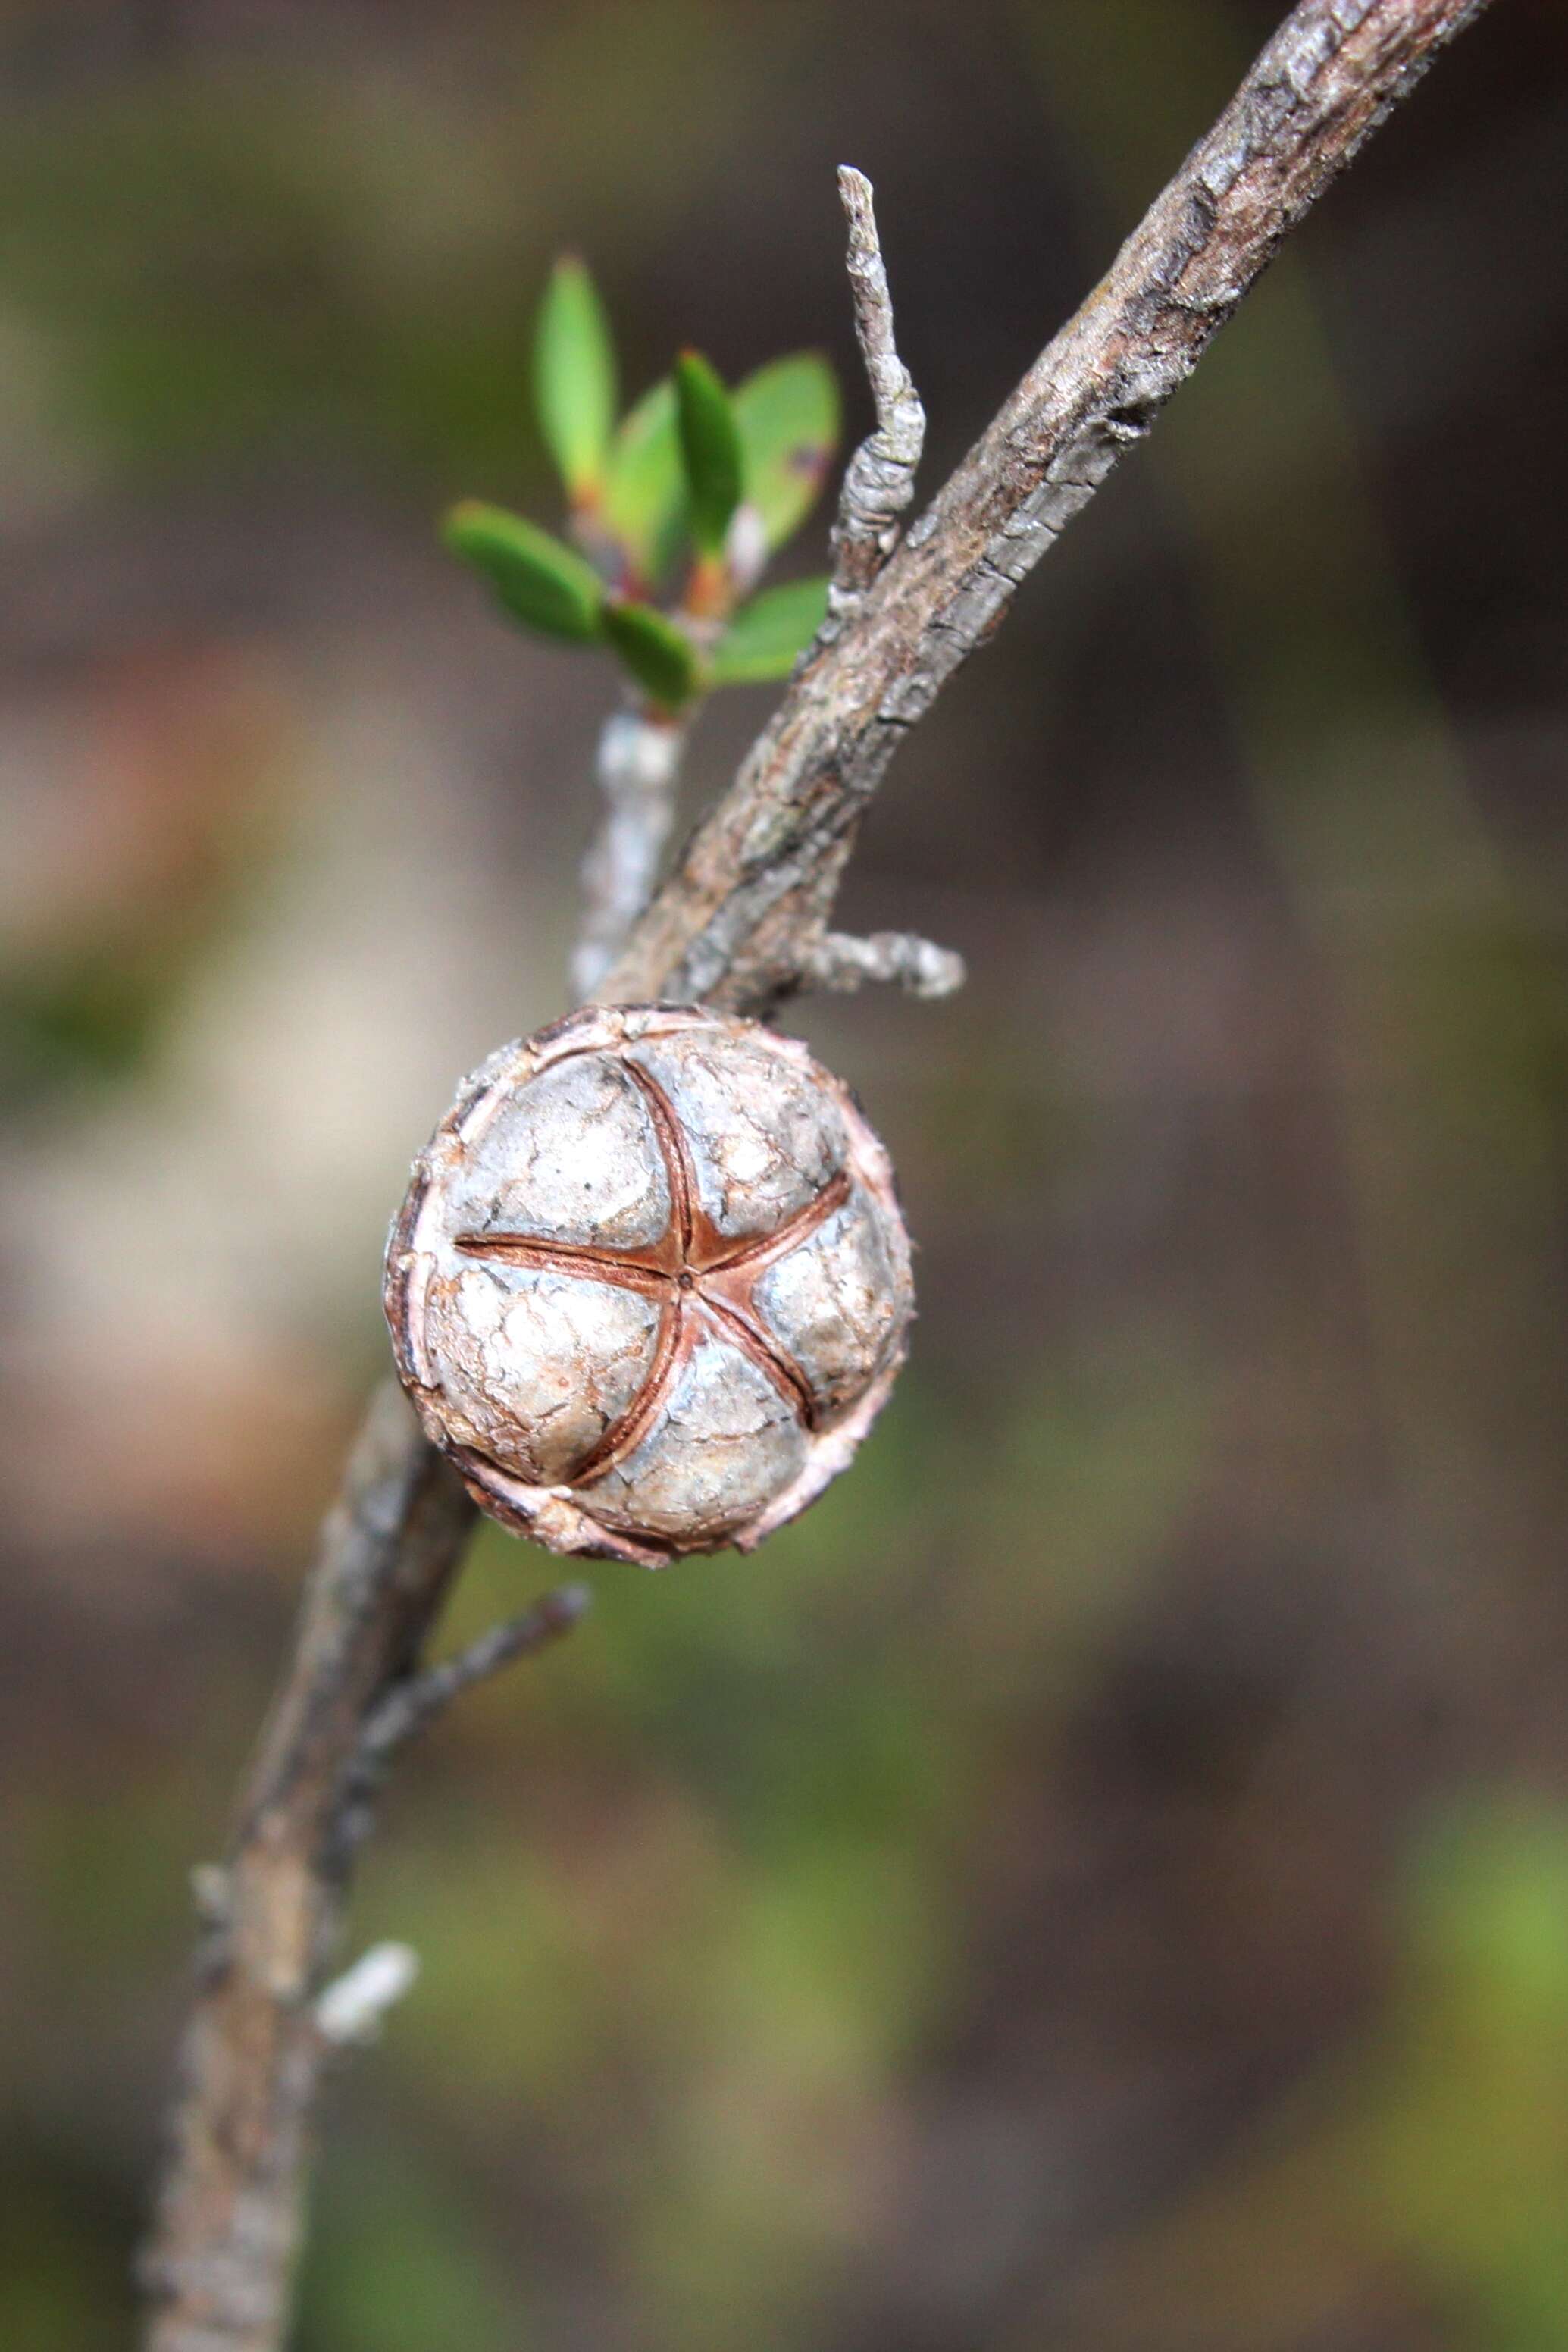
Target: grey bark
{"x": 740, "y": 923}
{"x": 879, "y": 480}
{"x": 838, "y": 960}
{"x": 753, "y": 887}
{"x": 638, "y": 768}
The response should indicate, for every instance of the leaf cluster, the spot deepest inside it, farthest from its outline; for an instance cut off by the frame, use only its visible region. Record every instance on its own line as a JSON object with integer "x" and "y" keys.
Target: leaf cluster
{"x": 673, "y": 511}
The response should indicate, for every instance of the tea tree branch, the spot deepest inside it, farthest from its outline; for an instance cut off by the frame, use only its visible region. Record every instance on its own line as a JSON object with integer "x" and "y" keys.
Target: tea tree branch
{"x": 740, "y": 923}
{"x": 756, "y": 883}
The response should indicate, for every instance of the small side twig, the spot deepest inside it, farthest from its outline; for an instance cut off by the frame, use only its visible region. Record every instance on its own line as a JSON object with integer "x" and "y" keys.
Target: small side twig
{"x": 411, "y": 1705}
{"x": 638, "y": 763}
{"x": 841, "y": 962}
{"x": 879, "y": 481}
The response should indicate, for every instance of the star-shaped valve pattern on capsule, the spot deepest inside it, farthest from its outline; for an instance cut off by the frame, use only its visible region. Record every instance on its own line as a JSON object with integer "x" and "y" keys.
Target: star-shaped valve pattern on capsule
{"x": 650, "y": 1284}
{"x": 694, "y": 1271}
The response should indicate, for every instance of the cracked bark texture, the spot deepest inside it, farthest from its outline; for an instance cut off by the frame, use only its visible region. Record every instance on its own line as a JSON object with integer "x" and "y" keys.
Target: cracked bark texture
{"x": 753, "y": 887}
{"x": 736, "y": 925}
{"x": 651, "y": 1285}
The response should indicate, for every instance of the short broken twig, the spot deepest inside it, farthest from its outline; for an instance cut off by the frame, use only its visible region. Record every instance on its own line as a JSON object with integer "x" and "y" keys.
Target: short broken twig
{"x": 841, "y": 962}
{"x": 879, "y": 481}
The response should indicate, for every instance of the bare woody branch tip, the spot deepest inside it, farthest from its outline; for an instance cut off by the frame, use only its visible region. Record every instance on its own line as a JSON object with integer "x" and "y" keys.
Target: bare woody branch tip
{"x": 879, "y": 481}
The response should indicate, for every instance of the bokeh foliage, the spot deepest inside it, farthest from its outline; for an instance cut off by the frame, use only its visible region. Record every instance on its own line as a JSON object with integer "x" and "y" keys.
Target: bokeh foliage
{"x": 1101, "y": 1879}
{"x": 724, "y": 478}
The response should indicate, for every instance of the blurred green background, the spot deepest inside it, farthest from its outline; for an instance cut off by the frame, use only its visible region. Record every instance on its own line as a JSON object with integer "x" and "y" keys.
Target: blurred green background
{"x": 1103, "y": 1880}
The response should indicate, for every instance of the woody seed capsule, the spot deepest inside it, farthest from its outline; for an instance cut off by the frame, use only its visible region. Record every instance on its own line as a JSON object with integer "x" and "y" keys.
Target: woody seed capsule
{"x": 650, "y": 1286}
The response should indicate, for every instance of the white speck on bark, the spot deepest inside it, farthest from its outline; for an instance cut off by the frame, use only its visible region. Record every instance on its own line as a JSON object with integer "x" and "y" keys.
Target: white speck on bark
{"x": 354, "y": 2008}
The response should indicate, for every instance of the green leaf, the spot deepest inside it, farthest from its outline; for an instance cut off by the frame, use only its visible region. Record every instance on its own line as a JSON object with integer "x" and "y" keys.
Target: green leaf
{"x": 787, "y": 414}
{"x": 645, "y": 484}
{"x": 710, "y": 446}
{"x": 766, "y": 636}
{"x": 574, "y": 378}
{"x": 653, "y": 651}
{"x": 539, "y": 581}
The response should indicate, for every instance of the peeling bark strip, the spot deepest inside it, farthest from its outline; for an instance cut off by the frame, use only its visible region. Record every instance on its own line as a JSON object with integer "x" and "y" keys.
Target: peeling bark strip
{"x": 740, "y": 924}
{"x": 757, "y": 878}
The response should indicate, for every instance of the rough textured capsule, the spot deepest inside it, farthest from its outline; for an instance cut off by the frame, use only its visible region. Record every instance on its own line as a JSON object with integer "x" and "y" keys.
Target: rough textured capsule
{"x": 650, "y": 1286}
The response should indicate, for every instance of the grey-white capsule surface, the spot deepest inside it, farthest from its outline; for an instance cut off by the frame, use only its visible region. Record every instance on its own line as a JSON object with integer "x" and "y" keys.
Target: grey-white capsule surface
{"x": 650, "y": 1286}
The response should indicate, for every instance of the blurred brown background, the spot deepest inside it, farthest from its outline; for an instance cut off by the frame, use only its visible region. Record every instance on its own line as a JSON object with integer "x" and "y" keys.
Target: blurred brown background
{"x": 1103, "y": 1880}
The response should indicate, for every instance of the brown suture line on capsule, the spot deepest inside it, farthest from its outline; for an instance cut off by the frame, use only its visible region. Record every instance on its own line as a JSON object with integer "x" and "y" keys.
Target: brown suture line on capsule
{"x": 568, "y": 1257}
{"x": 474, "y": 1464}
{"x": 614, "y": 1544}
{"x": 635, "y": 1272}
{"x": 805, "y": 1221}
{"x": 413, "y": 1202}
{"x": 672, "y": 1146}
{"x": 611, "y": 1048}
{"x": 626, "y": 1433}
{"x": 781, "y": 1369}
